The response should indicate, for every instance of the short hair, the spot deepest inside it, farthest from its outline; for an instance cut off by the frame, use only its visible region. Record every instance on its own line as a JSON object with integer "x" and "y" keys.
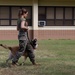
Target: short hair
{"x": 22, "y": 11}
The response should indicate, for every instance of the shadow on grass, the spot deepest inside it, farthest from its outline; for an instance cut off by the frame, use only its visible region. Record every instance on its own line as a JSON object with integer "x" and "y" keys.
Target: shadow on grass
{"x": 3, "y": 65}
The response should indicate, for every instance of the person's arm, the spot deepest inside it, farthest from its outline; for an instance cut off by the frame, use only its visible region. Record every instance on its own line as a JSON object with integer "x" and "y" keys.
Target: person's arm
{"x": 23, "y": 25}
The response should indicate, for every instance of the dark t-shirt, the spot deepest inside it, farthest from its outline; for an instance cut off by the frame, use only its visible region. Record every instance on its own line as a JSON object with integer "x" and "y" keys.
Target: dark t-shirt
{"x": 22, "y": 33}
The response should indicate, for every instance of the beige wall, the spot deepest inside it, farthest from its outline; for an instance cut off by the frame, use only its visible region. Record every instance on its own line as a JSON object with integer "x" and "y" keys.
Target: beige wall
{"x": 40, "y": 2}
{"x": 56, "y": 2}
{"x": 16, "y": 2}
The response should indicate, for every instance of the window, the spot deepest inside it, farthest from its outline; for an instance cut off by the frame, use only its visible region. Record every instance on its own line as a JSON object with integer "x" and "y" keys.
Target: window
{"x": 4, "y": 15}
{"x": 59, "y": 13}
{"x": 4, "y": 12}
{"x": 68, "y": 17}
{"x": 50, "y": 16}
{"x": 59, "y": 19}
{"x": 57, "y": 16}
{"x": 74, "y": 17}
{"x": 68, "y": 13}
{"x": 14, "y": 15}
{"x": 9, "y": 15}
{"x": 50, "y": 13}
{"x": 42, "y": 13}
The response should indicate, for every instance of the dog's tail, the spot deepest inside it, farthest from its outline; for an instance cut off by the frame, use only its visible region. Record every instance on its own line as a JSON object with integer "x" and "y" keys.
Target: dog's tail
{"x": 6, "y": 47}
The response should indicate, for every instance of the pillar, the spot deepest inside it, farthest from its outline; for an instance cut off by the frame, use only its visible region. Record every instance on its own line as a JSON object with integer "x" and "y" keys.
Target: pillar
{"x": 35, "y": 18}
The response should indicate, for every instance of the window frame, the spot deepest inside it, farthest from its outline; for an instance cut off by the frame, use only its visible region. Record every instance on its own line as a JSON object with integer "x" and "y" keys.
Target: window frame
{"x": 10, "y": 15}
{"x": 73, "y": 8}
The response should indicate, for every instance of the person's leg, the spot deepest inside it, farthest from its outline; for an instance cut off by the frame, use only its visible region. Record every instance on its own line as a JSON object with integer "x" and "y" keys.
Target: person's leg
{"x": 22, "y": 47}
{"x": 31, "y": 54}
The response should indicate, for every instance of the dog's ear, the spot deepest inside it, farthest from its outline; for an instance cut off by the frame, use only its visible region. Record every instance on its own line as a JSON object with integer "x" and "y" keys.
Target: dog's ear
{"x": 35, "y": 39}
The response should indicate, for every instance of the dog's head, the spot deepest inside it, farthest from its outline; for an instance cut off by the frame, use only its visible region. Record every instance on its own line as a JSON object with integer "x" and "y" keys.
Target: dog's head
{"x": 34, "y": 43}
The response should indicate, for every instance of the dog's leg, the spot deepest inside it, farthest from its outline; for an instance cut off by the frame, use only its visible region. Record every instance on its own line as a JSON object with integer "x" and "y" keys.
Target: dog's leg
{"x": 9, "y": 58}
{"x": 25, "y": 57}
{"x": 23, "y": 63}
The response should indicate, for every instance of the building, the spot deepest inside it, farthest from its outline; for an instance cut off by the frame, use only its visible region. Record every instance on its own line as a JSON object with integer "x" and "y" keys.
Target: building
{"x": 48, "y": 19}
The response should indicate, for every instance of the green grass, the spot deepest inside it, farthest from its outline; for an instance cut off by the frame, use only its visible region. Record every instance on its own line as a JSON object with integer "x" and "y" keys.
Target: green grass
{"x": 56, "y": 57}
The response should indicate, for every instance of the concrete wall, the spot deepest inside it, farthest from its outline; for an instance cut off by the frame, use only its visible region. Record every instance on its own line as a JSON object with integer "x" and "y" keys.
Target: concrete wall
{"x": 12, "y": 34}
{"x": 55, "y": 32}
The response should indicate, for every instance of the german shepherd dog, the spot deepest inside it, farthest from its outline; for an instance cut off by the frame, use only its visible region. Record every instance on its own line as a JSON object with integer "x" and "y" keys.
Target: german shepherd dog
{"x": 14, "y": 49}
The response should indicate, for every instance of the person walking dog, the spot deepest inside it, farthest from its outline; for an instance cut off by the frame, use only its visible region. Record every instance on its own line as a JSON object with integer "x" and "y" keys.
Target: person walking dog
{"x": 24, "y": 43}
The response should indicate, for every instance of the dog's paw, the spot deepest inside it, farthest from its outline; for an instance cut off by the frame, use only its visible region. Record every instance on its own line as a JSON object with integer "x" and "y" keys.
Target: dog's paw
{"x": 22, "y": 64}
{"x": 36, "y": 64}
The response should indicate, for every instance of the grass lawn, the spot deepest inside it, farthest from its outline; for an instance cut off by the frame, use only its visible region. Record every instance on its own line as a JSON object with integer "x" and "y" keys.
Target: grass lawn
{"x": 56, "y": 57}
